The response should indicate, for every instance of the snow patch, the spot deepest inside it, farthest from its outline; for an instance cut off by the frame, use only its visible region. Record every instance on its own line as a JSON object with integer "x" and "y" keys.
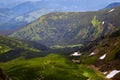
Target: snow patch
{"x": 105, "y": 73}
{"x": 112, "y": 74}
{"x": 103, "y": 22}
{"x": 93, "y": 53}
{"x": 111, "y": 10}
{"x": 76, "y": 54}
{"x": 103, "y": 57}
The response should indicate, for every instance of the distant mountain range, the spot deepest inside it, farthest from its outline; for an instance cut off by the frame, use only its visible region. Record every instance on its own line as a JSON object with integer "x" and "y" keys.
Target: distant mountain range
{"x": 6, "y": 14}
{"x": 113, "y": 5}
{"x": 27, "y": 12}
{"x": 10, "y": 4}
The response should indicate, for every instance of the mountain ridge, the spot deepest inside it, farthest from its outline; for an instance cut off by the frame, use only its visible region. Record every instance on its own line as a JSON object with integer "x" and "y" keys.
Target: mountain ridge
{"x": 23, "y": 16}
{"x": 70, "y": 27}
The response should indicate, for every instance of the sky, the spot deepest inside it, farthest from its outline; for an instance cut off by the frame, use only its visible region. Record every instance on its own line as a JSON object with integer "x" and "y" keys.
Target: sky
{"x": 79, "y": 0}
{"x": 90, "y": 3}
{"x": 101, "y": 1}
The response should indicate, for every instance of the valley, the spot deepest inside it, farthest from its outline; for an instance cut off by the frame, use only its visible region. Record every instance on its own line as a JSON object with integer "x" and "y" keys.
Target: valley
{"x": 54, "y": 40}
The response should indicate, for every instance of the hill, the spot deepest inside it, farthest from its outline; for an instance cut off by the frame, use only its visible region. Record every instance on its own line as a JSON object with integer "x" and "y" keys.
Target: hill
{"x": 5, "y": 15}
{"x": 11, "y": 48}
{"x": 17, "y": 61}
{"x": 70, "y": 28}
{"x": 104, "y": 54}
{"x": 19, "y": 21}
{"x": 54, "y": 66}
{"x": 51, "y": 67}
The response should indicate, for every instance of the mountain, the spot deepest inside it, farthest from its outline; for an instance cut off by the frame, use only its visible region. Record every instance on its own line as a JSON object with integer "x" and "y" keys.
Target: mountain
{"x": 9, "y": 4}
{"x": 62, "y": 5}
{"x": 32, "y": 16}
{"x": 20, "y": 21}
{"x": 26, "y": 12}
{"x": 94, "y": 35}
{"x": 70, "y": 28}
{"x": 5, "y": 15}
{"x": 11, "y": 48}
{"x": 26, "y": 7}
{"x": 18, "y": 61}
{"x": 55, "y": 66}
{"x": 104, "y": 54}
{"x": 112, "y": 5}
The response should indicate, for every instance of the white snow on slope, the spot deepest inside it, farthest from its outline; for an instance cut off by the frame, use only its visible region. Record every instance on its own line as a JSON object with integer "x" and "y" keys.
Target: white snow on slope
{"x": 103, "y": 57}
{"x": 76, "y": 54}
{"x": 105, "y": 72}
{"x": 93, "y": 53}
{"x": 112, "y": 74}
{"x": 111, "y": 10}
{"x": 103, "y": 22}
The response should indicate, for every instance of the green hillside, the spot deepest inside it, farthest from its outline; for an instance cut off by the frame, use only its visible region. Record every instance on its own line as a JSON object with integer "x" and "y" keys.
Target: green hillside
{"x": 7, "y": 44}
{"x": 18, "y": 63}
{"x": 59, "y": 67}
{"x": 95, "y": 35}
{"x": 11, "y": 48}
{"x": 109, "y": 46}
{"x": 69, "y": 28}
{"x": 51, "y": 67}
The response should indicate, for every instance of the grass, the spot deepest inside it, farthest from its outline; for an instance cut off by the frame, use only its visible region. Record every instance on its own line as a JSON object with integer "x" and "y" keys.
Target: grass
{"x": 97, "y": 24}
{"x": 51, "y": 67}
{"x": 91, "y": 73}
{"x": 8, "y": 44}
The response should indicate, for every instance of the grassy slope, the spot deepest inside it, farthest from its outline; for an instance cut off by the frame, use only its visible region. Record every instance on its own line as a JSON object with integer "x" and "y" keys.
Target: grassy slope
{"x": 51, "y": 67}
{"x": 109, "y": 45}
{"x": 17, "y": 66}
{"x": 7, "y": 44}
{"x": 13, "y": 48}
{"x": 63, "y": 29}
